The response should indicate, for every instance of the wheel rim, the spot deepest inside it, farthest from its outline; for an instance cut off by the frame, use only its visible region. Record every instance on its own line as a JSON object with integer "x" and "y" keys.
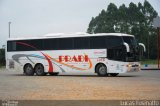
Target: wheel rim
{"x": 28, "y": 68}
{"x": 102, "y": 70}
{"x": 39, "y": 70}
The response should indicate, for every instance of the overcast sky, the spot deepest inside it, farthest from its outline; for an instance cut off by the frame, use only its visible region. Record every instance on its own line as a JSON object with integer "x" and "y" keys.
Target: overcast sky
{"x": 40, "y": 17}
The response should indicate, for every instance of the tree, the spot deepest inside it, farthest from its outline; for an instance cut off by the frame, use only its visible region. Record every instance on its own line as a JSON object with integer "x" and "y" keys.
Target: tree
{"x": 105, "y": 21}
{"x": 135, "y": 19}
{"x": 123, "y": 24}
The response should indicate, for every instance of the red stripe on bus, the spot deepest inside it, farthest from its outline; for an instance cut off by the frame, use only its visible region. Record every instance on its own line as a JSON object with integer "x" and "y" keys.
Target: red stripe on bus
{"x": 50, "y": 64}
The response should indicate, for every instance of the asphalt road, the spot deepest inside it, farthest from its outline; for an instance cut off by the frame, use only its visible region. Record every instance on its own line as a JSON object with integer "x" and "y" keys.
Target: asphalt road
{"x": 143, "y": 85}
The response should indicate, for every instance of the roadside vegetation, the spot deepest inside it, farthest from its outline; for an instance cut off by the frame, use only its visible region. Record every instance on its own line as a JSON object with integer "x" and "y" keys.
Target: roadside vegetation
{"x": 135, "y": 19}
{"x": 2, "y": 58}
{"x": 148, "y": 61}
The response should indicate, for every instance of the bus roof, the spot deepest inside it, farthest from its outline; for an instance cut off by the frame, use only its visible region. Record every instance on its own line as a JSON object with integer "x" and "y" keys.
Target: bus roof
{"x": 63, "y": 35}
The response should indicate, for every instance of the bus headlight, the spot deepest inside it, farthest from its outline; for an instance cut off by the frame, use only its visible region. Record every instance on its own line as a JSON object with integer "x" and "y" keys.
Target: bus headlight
{"x": 129, "y": 65}
{"x": 139, "y": 65}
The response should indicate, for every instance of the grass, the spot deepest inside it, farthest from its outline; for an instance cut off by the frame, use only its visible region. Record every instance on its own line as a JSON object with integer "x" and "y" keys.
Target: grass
{"x": 1, "y": 66}
{"x": 149, "y": 61}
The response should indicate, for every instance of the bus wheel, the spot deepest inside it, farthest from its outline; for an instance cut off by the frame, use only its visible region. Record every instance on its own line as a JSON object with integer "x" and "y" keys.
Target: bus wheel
{"x": 39, "y": 69}
{"x": 101, "y": 70}
{"x": 54, "y": 73}
{"x": 28, "y": 70}
{"x": 114, "y": 74}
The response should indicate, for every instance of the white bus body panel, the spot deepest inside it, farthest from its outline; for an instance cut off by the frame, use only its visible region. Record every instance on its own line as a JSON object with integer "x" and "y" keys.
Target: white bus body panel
{"x": 69, "y": 61}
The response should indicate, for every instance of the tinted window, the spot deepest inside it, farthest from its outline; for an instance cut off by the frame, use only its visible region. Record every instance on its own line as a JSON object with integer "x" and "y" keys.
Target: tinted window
{"x": 97, "y": 42}
{"x": 129, "y": 40}
{"x": 50, "y": 44}
{"x": 113, "y": 41}
{"x": 11, "y": 46}
{"x": 29, "y": 45}
{"x": 82, "y": 43}
{"x": 115, "y": 54}
{"x": 115, "y": 45}
{"x": 66, "y": 43}
{"x": 21, "y": 45}
{"x": 38, "y": 44}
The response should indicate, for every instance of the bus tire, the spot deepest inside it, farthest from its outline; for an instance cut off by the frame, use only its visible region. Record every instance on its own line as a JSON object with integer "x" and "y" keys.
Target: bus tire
{"x": 28, "y": 70}
{"x": 54, "y": 73}
{"x": 114, "y": 74}
{"x": 39, "y": 70}
{"x": 101, "y": 70}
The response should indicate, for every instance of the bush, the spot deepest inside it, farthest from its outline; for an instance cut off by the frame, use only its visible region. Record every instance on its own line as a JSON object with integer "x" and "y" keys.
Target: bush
{"x": 2, "y": 57}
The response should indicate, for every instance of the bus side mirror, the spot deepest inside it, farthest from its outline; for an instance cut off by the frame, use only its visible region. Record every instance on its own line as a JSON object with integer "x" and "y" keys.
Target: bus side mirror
{"x": 127, "y": 46}
{"x": 144, "y": 47}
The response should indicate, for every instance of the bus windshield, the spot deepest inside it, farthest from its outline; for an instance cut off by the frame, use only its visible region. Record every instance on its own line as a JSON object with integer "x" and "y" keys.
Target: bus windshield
{"x": 130, "y": 40}
{"x": 133, "y": 55}
{"x": 119, "y": 52}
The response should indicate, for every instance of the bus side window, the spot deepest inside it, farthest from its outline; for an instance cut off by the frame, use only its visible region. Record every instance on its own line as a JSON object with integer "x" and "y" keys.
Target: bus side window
{"x": 11, "y": 46}
{"x": 97, "y": 42}
{"x": 113, "y": 41}
{"x": 65, "y": 43}
{"x": 113, "y": 44}
{"x": 82, "y": 43}
{"x": 21, "y": 47}
{"x": 36, "y": 43}
{"x": 50, "y": 44}
{"x": 110, "y": 54}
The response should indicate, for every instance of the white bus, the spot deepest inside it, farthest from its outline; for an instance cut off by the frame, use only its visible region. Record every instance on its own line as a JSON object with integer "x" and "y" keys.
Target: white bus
{"x": 103, "y": 53}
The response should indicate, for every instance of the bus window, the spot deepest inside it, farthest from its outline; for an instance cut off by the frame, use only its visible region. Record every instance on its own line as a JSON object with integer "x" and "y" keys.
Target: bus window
{"x": 97, "y": 42}
{"x": 65, "y": 43}
{"x": 113, "y": 41}
{"x": 129, "y": 40}
{"x": 50, "y": 44}
{"x": 38, "y": 44}
{"x": 21, "y": 47}
{"x": 82, "y": 43}
{"x": 115, "y": 54}
{"x": 32, "y": 45}
{"x": 11, "y": 46}
{"x": 114, "y": 46}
